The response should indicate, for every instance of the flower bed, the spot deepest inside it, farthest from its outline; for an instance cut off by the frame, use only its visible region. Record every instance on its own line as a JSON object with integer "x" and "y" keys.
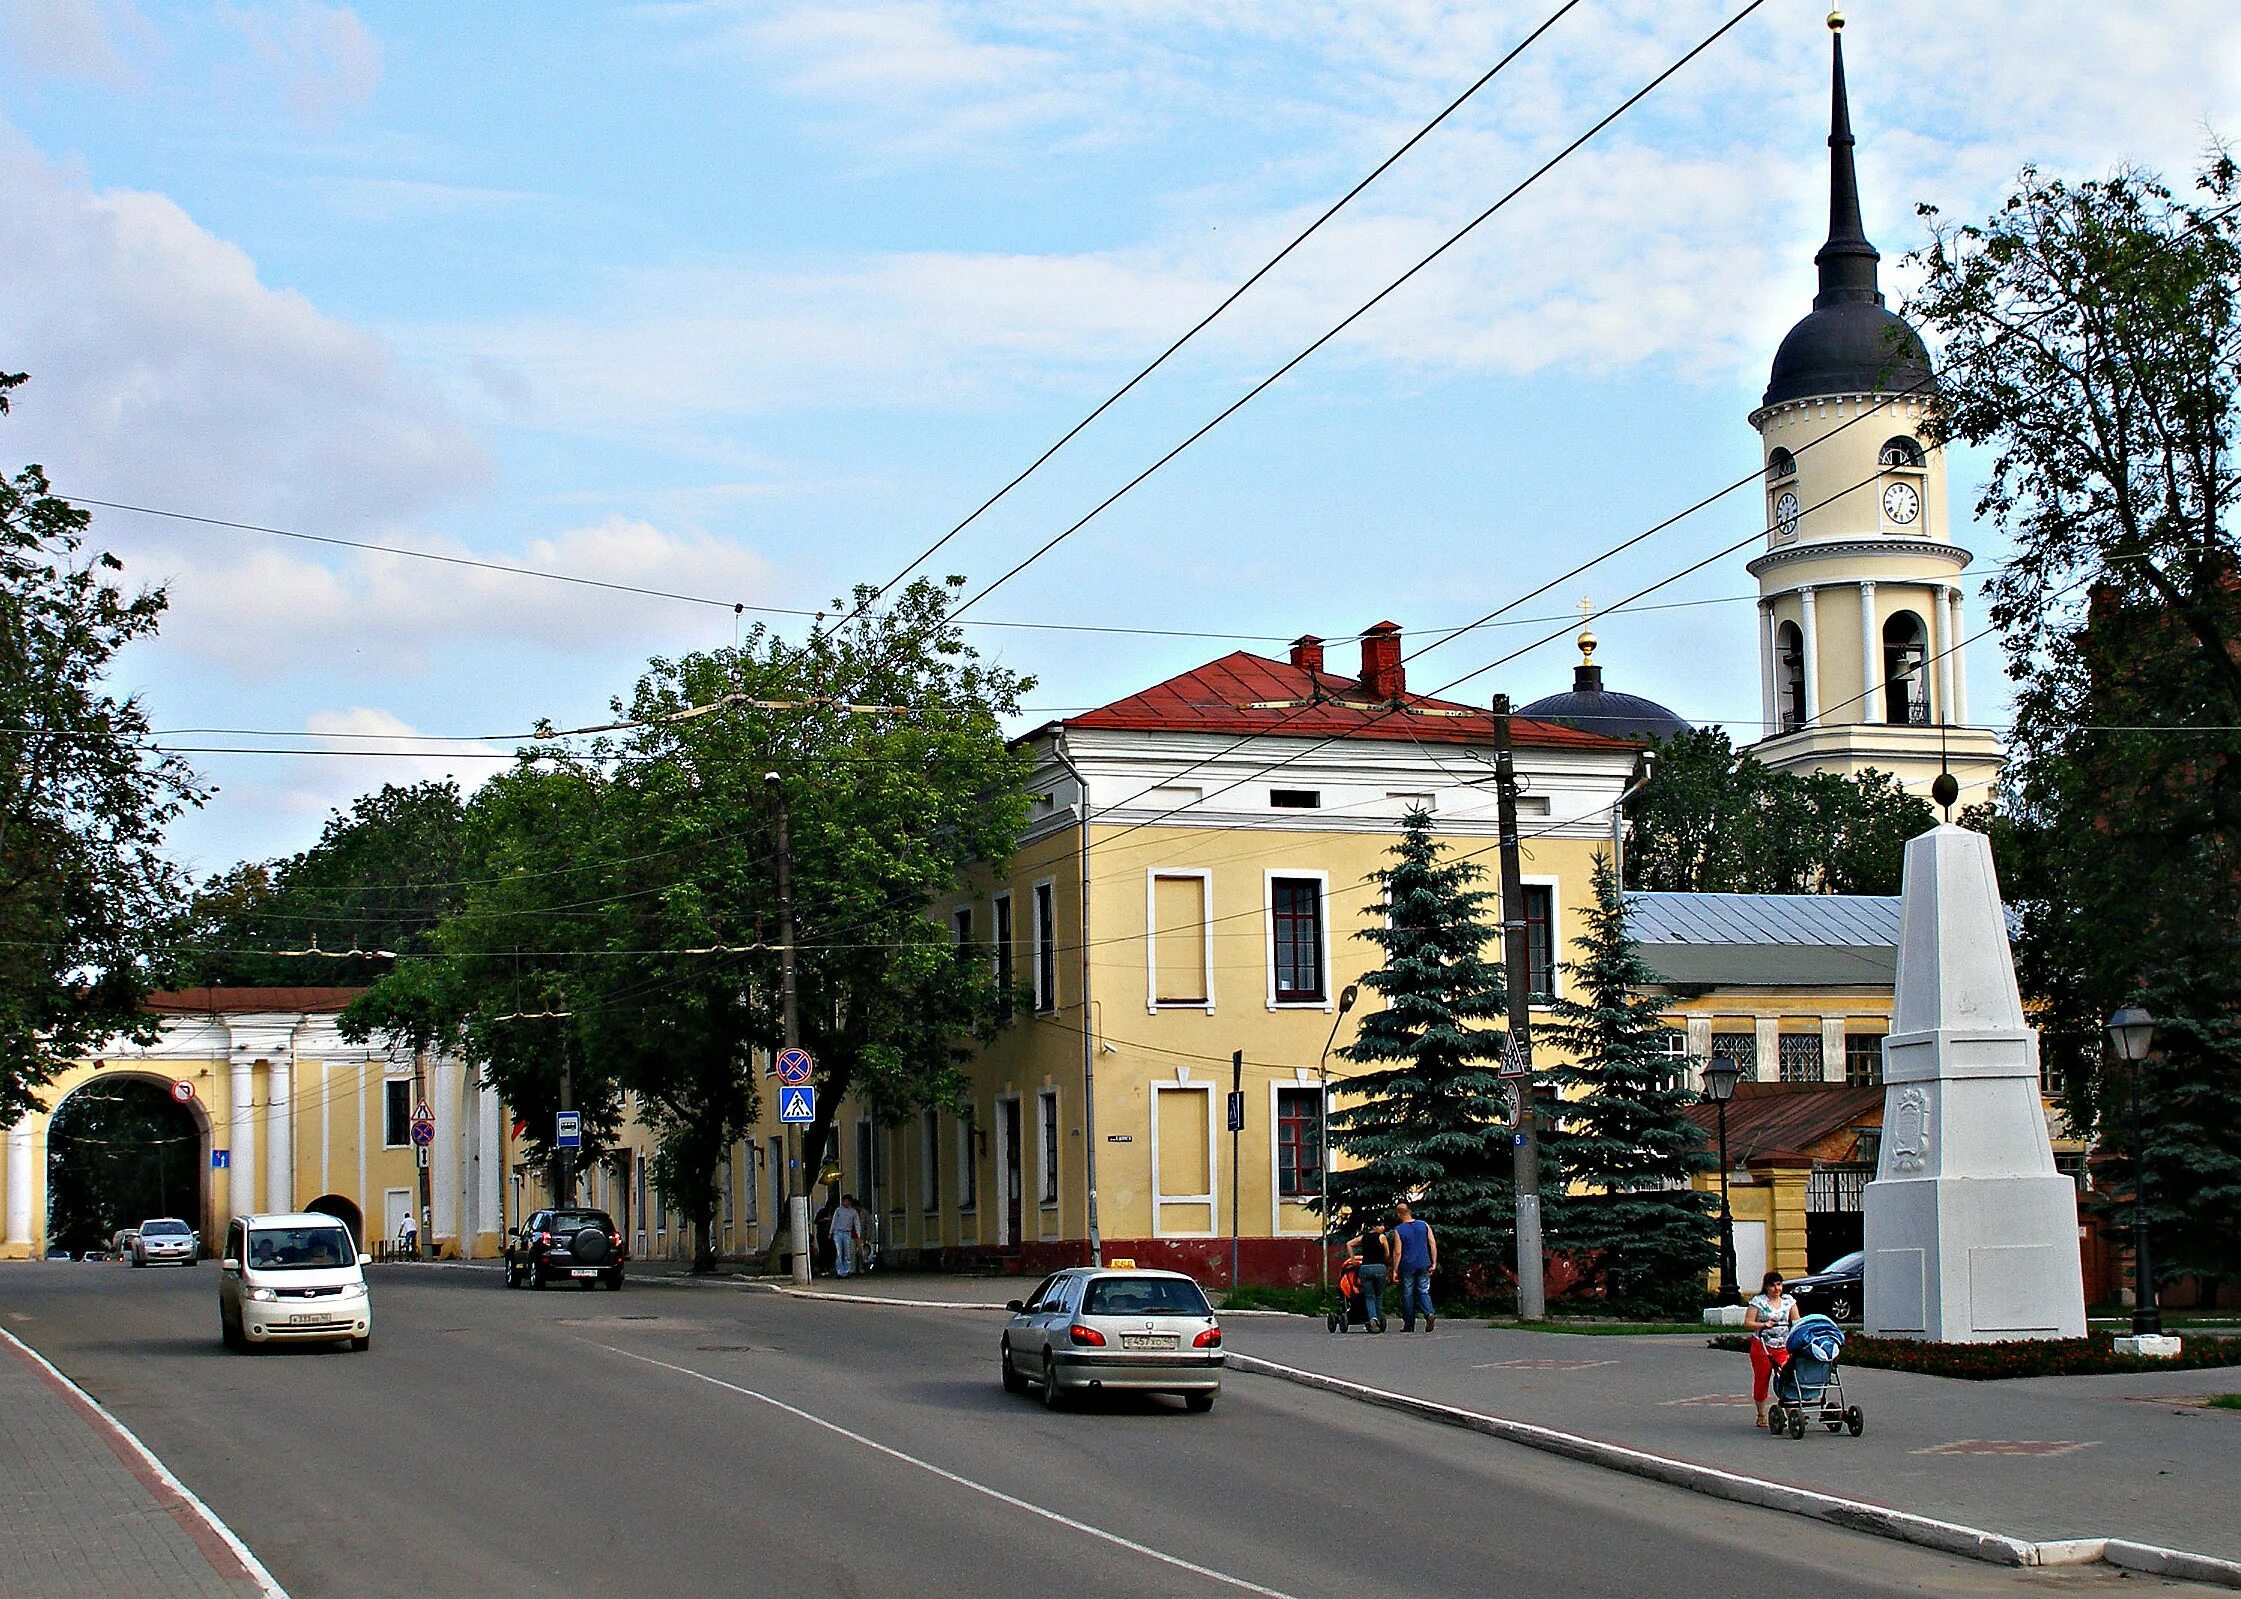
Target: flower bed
{"x": 2093, "y": 1355}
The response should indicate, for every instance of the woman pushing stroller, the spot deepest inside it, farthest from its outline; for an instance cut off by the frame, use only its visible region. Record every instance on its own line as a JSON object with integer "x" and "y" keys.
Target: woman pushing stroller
{"x": 1768, "y": 1320}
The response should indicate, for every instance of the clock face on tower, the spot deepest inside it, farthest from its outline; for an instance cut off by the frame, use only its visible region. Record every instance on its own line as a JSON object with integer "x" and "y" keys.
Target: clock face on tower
{"x": 1785, "y": 515}
{"x": 1901, "y": 503}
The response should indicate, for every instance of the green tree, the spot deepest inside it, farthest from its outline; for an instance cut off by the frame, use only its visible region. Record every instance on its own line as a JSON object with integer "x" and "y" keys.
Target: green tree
{"x": 1428, "y": 1120}
{"x": 1713, "y": 821}
{"x": 2090, "y": 333}
{"x": 87, "y": 901}
{"x": 1623, "y": 1140}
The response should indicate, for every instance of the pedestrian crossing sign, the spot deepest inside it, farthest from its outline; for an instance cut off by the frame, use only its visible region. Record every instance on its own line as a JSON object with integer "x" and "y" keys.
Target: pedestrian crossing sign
{"x": 797, "y": 1105}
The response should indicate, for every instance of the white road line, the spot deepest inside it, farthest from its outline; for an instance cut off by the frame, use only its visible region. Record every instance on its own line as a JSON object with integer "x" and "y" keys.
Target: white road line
{"x": 997, "y": 1494}
{"x": 266, "y": 1583}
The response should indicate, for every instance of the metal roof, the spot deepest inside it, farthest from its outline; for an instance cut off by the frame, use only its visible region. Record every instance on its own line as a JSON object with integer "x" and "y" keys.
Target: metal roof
{"x": 1862, "y": 921}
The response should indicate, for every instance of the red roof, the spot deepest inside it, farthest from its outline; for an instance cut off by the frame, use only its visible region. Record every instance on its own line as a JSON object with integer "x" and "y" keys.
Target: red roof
{"x": 1245, "y": 693}
{"x": 214, "y": 1001}
{"x": 1788, "y": 1119}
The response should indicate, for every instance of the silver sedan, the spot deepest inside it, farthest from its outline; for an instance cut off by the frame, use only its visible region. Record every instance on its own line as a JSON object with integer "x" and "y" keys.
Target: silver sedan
{"x": 1094, "y": 1329}
{"x": 165, "y": 1240}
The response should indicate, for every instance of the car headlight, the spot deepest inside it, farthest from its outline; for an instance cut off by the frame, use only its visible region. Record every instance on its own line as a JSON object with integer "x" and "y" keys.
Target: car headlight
{"x": 353, "y": 1290}
{"x": 262, "y": 1293}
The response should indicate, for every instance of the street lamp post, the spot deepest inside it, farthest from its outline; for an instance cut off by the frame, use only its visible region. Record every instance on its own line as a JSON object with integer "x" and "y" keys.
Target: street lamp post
{"x": 2132, "y": 1035}
{"x": 1720, "y": 1075}
{"x": 1346, "y": 997}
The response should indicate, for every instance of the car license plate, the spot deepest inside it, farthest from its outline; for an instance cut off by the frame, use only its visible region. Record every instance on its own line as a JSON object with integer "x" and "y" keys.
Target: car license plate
{"x": 584, "y": 1272}
{"x": 305, "y": 1320}
{"x": 1147, "y": 1341}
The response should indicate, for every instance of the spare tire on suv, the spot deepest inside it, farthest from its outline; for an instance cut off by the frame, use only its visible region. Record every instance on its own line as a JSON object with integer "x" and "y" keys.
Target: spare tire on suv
{"x": 571, "y": 1245}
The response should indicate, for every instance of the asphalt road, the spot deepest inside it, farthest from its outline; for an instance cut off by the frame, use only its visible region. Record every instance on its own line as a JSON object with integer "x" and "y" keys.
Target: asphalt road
{"x": 718, "y": 1441}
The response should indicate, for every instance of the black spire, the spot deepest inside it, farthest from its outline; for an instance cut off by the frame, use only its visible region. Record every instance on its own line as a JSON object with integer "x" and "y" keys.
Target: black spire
{"x": 1847, "y": 261}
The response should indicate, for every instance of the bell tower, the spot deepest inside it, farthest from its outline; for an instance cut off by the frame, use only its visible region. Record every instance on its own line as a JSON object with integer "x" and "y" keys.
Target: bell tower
{"x": 1860, "y": 621}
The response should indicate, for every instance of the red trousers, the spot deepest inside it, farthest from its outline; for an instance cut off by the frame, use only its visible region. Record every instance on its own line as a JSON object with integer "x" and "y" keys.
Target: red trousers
{"x": 1763, "y": 1364}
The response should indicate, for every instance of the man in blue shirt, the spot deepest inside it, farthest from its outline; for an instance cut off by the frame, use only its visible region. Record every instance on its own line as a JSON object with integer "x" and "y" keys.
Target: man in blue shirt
{"x": 1419, "y": 1258}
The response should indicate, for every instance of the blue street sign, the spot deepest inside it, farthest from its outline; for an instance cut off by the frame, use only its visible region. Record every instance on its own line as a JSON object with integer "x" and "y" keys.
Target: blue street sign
{"x": 1236, "y": 1112}
{"x": 797, "y": 1105}
{"x": 794, "y": 1067}
{"x": 568, "y": 1130}
{"x": 423, "y": 1133}
{"x": 221, "y": 1159}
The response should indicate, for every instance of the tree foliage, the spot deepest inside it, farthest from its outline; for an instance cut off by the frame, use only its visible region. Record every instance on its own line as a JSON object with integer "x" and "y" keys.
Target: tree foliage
{"x": 1427, "y": 1120}
{"x": 2090, "y": 334}
{"x": 87, "y": 902}
{"x": 1713, "y": 821}
{"x": 1623, "y": 1140}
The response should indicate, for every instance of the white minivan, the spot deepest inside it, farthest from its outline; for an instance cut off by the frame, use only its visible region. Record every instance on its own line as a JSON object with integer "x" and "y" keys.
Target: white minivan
{"x": 295, "y": 1277}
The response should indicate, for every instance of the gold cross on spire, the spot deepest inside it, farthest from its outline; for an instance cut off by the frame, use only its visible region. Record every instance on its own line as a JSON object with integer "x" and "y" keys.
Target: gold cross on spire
{"x": 1586, "y": 639}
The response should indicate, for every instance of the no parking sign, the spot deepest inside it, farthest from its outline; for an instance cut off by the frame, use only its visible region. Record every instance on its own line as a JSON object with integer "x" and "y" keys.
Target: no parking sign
{"x": 183, "y": 1091}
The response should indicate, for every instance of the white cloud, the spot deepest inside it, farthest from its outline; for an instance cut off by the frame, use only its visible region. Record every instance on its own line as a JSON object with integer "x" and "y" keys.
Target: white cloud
{"x": 102, "y": 41}
{"x": 316, "y": 784}
{"x": 324, "y": 58}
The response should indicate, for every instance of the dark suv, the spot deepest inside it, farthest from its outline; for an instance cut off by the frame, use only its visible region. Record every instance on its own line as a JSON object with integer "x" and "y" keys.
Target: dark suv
{"x": 565, "y": 1246}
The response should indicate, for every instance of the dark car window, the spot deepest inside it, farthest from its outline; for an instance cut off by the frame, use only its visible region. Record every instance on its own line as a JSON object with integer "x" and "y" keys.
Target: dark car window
{"x": 1034, "y": 1301}
{"x": 1145, "y": 1296}
{"x": 165, "y": 1229}
{"x": 1843, "y": 1265}
{"x": 568, "y": 1221}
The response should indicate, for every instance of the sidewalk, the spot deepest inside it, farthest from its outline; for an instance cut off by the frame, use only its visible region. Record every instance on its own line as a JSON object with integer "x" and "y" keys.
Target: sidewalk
{"x": 87, "y": 1513}
{"x": 2040, "y": 1459}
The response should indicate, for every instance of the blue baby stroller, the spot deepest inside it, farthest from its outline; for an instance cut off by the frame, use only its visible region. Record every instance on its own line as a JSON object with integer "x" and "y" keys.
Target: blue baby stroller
{"x": 1808, "y": 1387}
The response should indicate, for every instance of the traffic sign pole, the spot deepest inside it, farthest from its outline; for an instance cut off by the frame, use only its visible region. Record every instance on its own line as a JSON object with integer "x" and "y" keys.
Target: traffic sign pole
{"x": 797, "y": 1196}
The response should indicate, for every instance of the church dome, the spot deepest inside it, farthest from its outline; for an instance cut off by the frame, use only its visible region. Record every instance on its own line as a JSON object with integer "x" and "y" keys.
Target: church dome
{"x": 1592, "y": 708}
{"x": 1849, "y": 348}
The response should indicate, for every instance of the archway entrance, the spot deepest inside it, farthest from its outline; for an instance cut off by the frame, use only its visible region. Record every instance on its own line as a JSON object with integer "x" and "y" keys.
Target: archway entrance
{"x": 120, "y": 1150}
{"x": 343, "y": 1211}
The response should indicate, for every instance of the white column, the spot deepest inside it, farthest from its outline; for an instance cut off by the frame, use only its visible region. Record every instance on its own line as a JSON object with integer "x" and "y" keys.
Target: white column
{"x": 326, "y": 1130}
{"x": 241, "y": 1164}
{"x": 1941, "y": 635}
{"x": 1832, "y": 1049}
{"x": 280, "y": 1135}
{"x": 445, "y": 1156}
{"x": 1767, "y": 1046}
{"x": 19, "y": 1181}
{"x": 489, "y": 1199}
{"x": 1811, "y": 649}
{"x": 1769, "y": 720}
{"x": 1871, "y": 656}
{"x": 1960, "y": 656}
{"x": 1699, "y": 1028}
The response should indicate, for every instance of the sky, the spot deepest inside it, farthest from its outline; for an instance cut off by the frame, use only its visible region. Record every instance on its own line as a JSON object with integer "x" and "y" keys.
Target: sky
{"x": 749, "y": 302}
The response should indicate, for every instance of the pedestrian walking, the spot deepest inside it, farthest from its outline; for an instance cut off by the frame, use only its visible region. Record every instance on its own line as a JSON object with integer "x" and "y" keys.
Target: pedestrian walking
{"x": 408, "y": 1236}
{"x": 1419, "y": 1251}
{"x": 1375, "y": 1248}
{"x": 848, "y": 1233}
{"x": 1768, "y": 1318}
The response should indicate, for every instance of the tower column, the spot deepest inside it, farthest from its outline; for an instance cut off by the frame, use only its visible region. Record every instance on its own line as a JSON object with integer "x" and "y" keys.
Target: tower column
{"x": 1768, "y": 724}
{"x": 241, "y": 1160}
{"x": 280, "y": 1136}
{"x": 1941, "y": 640}
{"x": 1960, "y": 656}
{"x": 1811, "y": 649}
{"x": 1871, "y": 641}
{"x": 19, "y": 1180}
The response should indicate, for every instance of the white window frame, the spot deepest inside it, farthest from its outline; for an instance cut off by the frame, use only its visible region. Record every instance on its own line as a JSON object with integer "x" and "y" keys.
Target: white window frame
{"x": 1001, "y": 1140}
{"x": 1555, "y": 936}
{"x": 1153, "y": 1004}
{"x": 968, "y": 1170}
{"x": 750, "y": 1195}
{"x": 1045, "y": 1004}
{"x": 387, "y": 1083}
{"x": 1047, "y": 1181}
{"x": 1211, "y": 1199}
{"x": 1322, "y": 880}
{"x": 1276, "y": 1200}
{"x": 964, "y": 908}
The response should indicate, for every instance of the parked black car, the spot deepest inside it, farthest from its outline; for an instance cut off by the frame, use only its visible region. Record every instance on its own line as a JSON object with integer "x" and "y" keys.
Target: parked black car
{"x": 1833, "y": 1291}
{"x": 565, "y": 1246}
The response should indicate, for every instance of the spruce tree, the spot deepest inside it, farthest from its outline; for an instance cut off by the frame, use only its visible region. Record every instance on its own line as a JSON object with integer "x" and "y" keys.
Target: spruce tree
{"x": 1427, "y": 1122}
{"x": 1625, "y": 1145}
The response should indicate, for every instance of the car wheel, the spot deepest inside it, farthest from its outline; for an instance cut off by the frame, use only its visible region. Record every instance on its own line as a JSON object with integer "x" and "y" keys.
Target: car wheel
{"x": 536, "y": 1275}
{"x": 1054, "y": 1397}
{"x": 359, "y": 1346}
{"x": 1014, "y": 1383}
{"x": 614, "y": 1283}
{"x": 1198, "y": 1404}
{"x": 1840, "y": 1308}
{"x": 228, "y": 1334}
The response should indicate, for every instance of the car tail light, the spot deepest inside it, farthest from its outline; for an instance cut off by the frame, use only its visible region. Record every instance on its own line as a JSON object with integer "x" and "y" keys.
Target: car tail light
{"x": 1211, "y": 1338}
{"x": 1089, "y": 1337}
{"x": 615, "y": 1239}
{"x": 544, "y": 1238}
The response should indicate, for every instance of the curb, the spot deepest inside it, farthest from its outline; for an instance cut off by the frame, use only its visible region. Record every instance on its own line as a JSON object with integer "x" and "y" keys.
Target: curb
{"x": 1856, "y": 1515}
{"x": 877, "y": 1299}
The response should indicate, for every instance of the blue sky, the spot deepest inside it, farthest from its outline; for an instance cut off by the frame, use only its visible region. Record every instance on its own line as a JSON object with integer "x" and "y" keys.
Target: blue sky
{"x": 753, "y": 300}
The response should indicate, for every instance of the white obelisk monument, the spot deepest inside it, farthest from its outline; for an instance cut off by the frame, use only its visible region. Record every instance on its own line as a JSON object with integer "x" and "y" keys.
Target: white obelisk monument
{"x": 1972, "y": 1235}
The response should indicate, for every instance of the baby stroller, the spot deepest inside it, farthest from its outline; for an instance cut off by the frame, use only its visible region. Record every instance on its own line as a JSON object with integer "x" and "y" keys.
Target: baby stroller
{"x": 1353, "y": 1308}
{"x": 1807, "y": 1386}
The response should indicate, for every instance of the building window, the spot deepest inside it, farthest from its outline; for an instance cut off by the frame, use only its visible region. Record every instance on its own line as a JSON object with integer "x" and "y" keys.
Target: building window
{"x": 1540, "y": 943}
{"x": 1789, "y": 678}
{"x": 929, "y": 1161}
{"x": 961, "y": 924}
{"x": 1184, "y": 1202}
{"x": 1901, "y": 451}
{"x": 968, "y": 1169}
{"x": 1741, "y": 1048}
{"x": 1799, "y": 1057}
{"x": 1780, "y": 463}
{"x": 1296, "y": 799}
{"x": 1181, "y": 931}
{"x": 1046, "y": 948}
{"x": 1299, "y": 1142}
{"x": 1905, "y": 655}
{"x": 1863, "y": 1059}
{"x": 1676, "y": 1074}
{"x": 1046, "y": 1127}
{"x": 1296, "y": 930}
{"x": 396, "y": 1113}
{"x": 1001, "y": 909}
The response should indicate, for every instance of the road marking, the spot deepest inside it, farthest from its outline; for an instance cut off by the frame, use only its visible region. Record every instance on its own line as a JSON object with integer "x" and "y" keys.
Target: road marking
{"x": 1710, "y": 1399}
{"x": 997, "y": 1494}
{"x": 195, "y": 1518}
{"x": 2007, "y": 1446}
{"x": 1540, "y": 1365}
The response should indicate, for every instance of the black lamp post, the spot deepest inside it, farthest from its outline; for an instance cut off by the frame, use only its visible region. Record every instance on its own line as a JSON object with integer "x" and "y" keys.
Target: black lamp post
{"x": 1720, "y": 1075}
{"x": 2132, "y": 1035}
{"x": 1346, "y": 998}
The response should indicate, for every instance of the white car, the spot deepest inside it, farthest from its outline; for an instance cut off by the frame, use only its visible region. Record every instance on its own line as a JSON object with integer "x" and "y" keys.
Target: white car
{"x": 1089, "y": 1329}
{"x": 292, "y": 1278}
{"x": 164, "y": 1240}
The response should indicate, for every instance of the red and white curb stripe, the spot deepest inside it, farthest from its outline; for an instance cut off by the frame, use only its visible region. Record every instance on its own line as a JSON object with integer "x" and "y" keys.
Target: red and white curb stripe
{"x": 1882, "y": 1521}
{"x": 227, "y": 1554}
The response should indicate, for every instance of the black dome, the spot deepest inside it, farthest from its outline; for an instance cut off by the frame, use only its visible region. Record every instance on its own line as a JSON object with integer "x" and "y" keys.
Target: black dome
{"x": 1592, "y": 708}
{"x": 1849, "y": 348}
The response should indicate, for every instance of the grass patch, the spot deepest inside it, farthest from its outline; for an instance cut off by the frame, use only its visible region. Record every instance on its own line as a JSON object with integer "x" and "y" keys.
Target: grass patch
{"x": 1297, "y": 1301}
{"x": 2093, "y": 1355}
{"x": 2225, "y": 1401}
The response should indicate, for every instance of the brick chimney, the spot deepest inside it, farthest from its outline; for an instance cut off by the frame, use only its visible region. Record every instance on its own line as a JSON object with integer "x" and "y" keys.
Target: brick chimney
{"x": 1307, "y": 652}
{"x": 1382, "y": 676}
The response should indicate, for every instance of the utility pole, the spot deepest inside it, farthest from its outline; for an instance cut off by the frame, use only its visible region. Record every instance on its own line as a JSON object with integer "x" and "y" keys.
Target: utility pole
{"x": 1525, "y": 1144}
{"x": 423, "y": 1223}
{"x": 564, "y": 1160}
{"x": 797, "y": 1193}
{"x": 1236, "y": 1173}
